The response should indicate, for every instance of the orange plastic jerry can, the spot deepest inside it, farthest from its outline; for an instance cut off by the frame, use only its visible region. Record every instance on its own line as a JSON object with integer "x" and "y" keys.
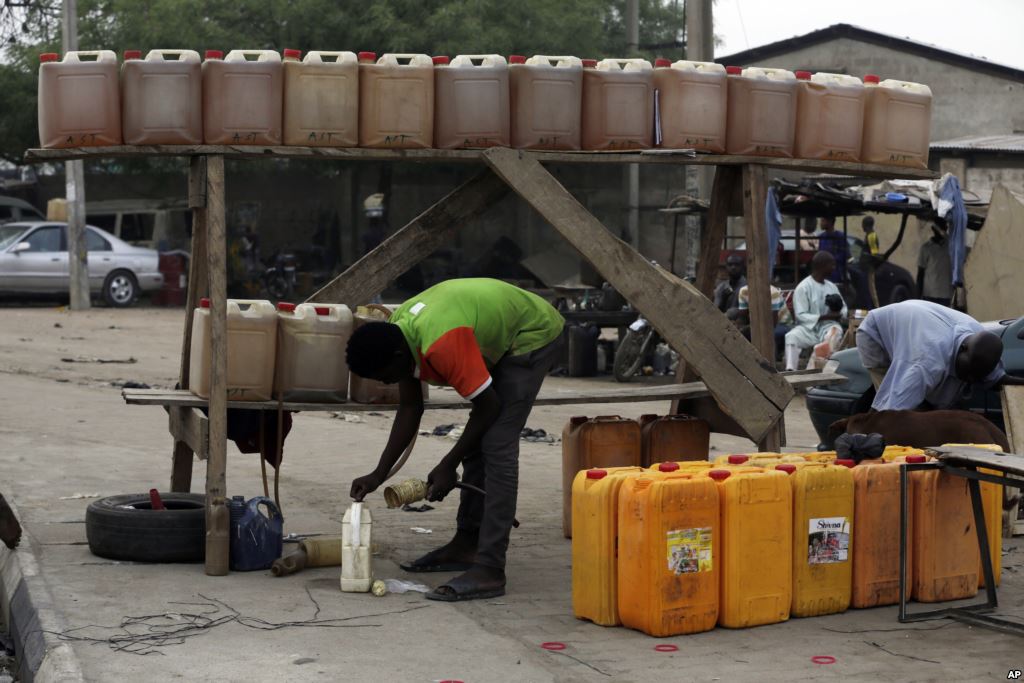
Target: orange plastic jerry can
{"x": 668, "y": 552}
{"x": 876, "y": 535}
{"x": 595, "y": 520}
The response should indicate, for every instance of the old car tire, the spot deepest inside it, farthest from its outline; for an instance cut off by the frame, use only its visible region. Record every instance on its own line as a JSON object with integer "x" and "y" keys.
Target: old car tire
{"x": 127, "y": 528}
{"x": 899, "y": 293}
{"x": 120, "y": 289}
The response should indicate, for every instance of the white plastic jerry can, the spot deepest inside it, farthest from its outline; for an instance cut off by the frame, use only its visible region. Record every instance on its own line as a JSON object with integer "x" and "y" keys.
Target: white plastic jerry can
{"x": 356, "y": 572}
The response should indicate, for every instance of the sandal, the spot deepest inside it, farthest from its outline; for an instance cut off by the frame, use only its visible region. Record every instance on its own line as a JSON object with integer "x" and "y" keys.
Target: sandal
{"x": 462, "y": 588}
{"x": 435, "y": 562}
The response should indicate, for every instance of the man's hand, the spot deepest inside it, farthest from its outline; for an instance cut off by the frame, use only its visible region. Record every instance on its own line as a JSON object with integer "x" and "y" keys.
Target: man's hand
{"x": 441, "y": 481}
{"x": 831, "y": 315}
{"x": 364, "y": 485}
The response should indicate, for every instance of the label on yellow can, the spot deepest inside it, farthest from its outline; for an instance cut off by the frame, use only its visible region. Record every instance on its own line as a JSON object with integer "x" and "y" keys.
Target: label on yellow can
{"x": 689, "y": 550}
{"x": 828, "y": 540}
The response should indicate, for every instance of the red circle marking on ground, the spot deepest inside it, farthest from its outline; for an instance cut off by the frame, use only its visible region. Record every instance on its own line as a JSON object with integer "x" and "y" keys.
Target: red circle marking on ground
{"x": 666, "y": 648}
{"x": 823, "y": 659}
{"x": 554, "y": 647}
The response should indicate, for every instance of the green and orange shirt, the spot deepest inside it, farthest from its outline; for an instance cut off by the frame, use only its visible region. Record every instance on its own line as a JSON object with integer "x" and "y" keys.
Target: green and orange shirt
{"x": 458, "y": 329}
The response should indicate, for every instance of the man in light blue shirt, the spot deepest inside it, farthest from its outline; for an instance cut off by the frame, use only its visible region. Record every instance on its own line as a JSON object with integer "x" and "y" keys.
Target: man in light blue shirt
{"x": 922, "y": 354}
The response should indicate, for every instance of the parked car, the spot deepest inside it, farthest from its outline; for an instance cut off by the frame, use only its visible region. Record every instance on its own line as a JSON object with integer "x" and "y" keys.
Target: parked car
{"x": 894, "y": 284}
{"x": 34, "y": 259}
{"x": 14, "y": 209}
{"x": 830, "y": 403}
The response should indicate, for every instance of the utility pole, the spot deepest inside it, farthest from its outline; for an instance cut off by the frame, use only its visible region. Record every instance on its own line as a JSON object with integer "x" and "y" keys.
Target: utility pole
{"x": 74, "y": 180}
{"x": 699, "y": 48}
{"x": 633, "y": 170}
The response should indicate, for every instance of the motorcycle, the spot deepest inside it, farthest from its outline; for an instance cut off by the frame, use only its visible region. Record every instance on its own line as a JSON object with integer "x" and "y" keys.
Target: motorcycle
{"x": 278, "y": 280}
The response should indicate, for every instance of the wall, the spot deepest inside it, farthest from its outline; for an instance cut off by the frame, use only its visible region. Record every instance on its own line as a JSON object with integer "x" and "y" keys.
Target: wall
{"x": 957, "y": 90}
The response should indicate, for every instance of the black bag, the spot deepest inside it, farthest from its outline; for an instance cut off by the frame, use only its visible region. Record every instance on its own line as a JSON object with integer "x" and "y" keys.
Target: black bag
{"x": 858, "y": 447}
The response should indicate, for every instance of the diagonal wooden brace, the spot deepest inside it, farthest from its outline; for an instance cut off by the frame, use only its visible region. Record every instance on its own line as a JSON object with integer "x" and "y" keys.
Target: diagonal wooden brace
{"x": 429, "y": 231}
{"x": 746, "y": 386}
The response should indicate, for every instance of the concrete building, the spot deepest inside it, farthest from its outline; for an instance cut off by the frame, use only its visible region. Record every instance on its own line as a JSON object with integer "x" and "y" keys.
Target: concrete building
{"x": 959, "y": 82}
{"x": 982, "y": 162}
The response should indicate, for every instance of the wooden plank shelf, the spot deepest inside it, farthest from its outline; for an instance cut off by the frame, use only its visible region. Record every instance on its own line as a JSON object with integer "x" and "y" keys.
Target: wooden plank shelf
{"x": 645, "y": 156}
{"x": 636, "y": 394}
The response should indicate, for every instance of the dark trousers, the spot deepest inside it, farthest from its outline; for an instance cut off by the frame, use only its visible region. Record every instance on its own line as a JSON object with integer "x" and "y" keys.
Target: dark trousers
{"x": 495, "y": 467}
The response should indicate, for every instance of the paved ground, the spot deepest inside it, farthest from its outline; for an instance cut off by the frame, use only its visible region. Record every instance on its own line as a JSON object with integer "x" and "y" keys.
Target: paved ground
{"x": 65, "y": 431}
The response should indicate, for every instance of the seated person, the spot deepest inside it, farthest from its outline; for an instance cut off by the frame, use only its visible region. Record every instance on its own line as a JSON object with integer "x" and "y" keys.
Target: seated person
{"x": 781, "y": 318}
{"x": 818, "y": 307}
{"x": 726, "y": 290}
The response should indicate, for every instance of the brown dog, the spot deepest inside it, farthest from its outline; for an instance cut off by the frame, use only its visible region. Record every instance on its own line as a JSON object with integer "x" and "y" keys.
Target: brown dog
{"x": 922, "y": 429}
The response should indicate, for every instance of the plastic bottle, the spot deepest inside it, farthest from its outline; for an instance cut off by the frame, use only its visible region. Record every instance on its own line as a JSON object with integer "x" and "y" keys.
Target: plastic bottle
{"x": 830, "y": 116}
{"x": 356, "y": 568}
{"x": 471, "y": 102}
{"x": 546, "y": 99}
{"x": 605, "y": 441}
{"x": 396, "y": 101}
{"x": 79, "y": 100}
{"x": 252, "y": 344}
{"x": 669, "y": 553}
{"x": 618, "y": 105}
{"x": 897, "y": 123}
{"x": 762, "y": 112}
{"x": 691, "y": 105}
{"x": 162, "y": 98}
{"x": 595, "y": 503}
{"x": 321, "y": 99}
{"x": 242, "y": 98}
{"x": 256, "y": 539}
{"x": 311, "y": 352}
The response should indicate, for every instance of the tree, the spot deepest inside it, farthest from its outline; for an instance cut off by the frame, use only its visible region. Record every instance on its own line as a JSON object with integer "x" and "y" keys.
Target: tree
{"x": 587, "y": 28}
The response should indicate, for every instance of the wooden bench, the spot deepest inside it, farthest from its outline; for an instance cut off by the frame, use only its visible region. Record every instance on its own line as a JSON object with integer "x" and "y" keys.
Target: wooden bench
{"x": 190, "y": 429}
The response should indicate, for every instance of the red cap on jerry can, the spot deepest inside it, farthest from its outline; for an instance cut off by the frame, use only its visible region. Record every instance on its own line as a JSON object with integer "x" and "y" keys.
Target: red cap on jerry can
{"x": 596, "y": 474}
{"x": 516, "y": 59}
{"x": 204, "y": 303}
{"x": 872, "y": 78}
{"x": 285, "y": 307}
{"x": 719, "y": 475}
{"x": 132, "y": 54}
{"x": 214, "y": 54}
{"x": 668, "y": 467}
{"x": 738, "y": 459}
{"x": 368, "y": 57}
{"x": 661, "y": 61}
{"x": 803, "y": 75}
{"x": 734, "y": 70}
{"x": 441, "y": 60}
{"x": 788, "y": 469}
{"x": 845, "y": 462}
{"x": 292, "y": 54}
{"x": 49, "y": 57}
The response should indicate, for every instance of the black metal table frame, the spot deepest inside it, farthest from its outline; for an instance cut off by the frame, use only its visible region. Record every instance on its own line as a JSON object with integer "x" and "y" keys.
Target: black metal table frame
{"x": 972, "y": 614}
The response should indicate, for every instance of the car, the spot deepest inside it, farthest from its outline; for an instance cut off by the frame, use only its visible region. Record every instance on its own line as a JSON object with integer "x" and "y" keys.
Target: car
{"x": 830, "y": 403}
{"x": 894, "y": 284}
{"x": 14, "y": 209}
{"x": 34, "y": 260}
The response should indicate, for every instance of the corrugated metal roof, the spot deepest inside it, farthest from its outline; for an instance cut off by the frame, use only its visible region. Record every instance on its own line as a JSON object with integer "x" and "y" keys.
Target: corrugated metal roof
{"x": 1012, "y": 144}
{"x": 788, "y": 45}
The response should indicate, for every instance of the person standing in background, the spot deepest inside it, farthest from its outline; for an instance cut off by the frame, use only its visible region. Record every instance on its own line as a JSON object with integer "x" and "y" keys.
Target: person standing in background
{"x": 727, "y": 290}
{"x": 870, "y": 236}
{"x": 935, "y": 270}
{"x": 834, "y": 242}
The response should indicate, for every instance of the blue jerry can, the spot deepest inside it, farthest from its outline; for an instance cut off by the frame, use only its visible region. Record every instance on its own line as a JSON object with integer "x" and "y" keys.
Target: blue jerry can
{"x": 256, "y": 538}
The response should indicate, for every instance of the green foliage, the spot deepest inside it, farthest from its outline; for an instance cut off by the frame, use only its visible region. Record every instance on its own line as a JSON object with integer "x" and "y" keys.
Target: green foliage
{"x": 587, "y": 28}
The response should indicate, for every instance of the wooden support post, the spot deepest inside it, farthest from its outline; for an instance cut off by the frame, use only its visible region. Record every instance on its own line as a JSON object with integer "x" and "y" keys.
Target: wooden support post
{"x": 217, "y": 518}
{"x": 727, "y": 180}
{"x": 749, "y": 389}
{"x": 759, "y": 277}
{"x": 432, "y": 229}
{"x": 181, "y": 465}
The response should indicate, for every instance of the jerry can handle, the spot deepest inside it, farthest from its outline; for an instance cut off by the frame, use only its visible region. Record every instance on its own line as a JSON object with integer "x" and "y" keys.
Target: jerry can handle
{"x": 479, "y": 61}
{"x": 406, "y": 59}
{"x": 183, "y": 55}
{"x": 100, "y": 55}
{"x": 554, "y": 60}
{"x": 262, "y": 56}
{"x": 254, "y": 506}
{"x": 340, "y": 57}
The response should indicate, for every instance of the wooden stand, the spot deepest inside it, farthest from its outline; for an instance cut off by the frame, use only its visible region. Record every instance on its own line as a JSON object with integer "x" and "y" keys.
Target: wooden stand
{"x": 748, "y": 394}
